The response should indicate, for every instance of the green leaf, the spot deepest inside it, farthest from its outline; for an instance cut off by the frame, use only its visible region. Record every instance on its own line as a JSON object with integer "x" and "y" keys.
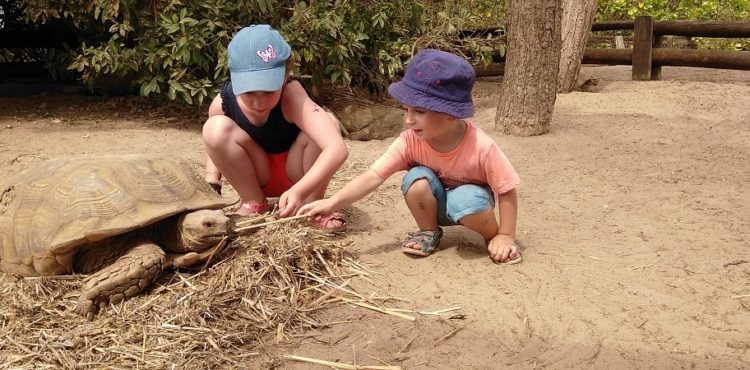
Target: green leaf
{"x": 151, "y": 86}
{"x": 185, "y": 55}
{"x": 501, "y": 49}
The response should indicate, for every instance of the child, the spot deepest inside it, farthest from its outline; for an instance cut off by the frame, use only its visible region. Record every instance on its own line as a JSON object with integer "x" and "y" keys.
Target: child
{"x": 265, "y": 134}
{"x": 454, "y": 168}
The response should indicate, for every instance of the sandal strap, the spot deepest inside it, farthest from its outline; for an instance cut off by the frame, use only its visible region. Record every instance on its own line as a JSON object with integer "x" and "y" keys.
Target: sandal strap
{"x": 427, "y": 240}
{"x": 255, "y": 207}
{"x": 323, "y": 221}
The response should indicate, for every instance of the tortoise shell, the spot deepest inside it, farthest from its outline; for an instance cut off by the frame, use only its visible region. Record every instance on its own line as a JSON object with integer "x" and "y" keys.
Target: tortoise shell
{"x": 54, "y": 208}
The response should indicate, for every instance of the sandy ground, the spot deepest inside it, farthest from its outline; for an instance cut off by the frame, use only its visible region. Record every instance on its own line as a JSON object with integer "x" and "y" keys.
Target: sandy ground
{"x": 634, "y": 214}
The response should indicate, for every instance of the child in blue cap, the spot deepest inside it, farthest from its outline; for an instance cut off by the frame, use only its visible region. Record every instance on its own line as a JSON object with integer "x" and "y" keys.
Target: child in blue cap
{"x": 266, "y": 136}
{"x": 456, "y": 172}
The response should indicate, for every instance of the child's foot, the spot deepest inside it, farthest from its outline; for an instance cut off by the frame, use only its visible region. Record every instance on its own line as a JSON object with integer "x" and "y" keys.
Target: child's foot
{"x": 331, "y": 223}
{"x": 422, "y": 243}
{"x": 251, "y": 209}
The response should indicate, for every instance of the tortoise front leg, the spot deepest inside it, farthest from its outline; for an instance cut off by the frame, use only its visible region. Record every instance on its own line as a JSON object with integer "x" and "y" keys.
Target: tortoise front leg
{"x": 126, "y": 277}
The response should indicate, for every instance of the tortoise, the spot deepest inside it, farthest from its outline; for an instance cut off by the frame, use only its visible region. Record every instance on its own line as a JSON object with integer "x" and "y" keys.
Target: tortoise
{"x": 121, "y": 219}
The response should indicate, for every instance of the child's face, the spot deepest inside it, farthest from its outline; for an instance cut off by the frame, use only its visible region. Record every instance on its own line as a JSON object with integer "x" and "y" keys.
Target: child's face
{"x": 260, "y": 103}
{"x": 428, "y": 125}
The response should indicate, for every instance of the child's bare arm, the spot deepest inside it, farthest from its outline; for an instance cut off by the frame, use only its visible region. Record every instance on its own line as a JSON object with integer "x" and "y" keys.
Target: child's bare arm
{"x": 353, "y": 191}
{"x": 215, "y": 108}
{"x": 502, "y": 247}
{"x": 508, "y": 210}
{"x": 318, "y": 124}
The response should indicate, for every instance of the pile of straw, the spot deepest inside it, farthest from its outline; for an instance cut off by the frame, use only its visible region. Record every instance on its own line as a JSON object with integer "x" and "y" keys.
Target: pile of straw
{"x": 267, "y": 284}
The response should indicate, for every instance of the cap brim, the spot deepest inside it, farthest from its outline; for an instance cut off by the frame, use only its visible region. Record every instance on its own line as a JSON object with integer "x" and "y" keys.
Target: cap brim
{"x": 415, "y": 98}
{"x": 263, "y": 80}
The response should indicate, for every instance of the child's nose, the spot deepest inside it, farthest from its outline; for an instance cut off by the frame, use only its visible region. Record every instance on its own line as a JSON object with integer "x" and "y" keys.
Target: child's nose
{"x": 259, "y": 102}
{"x": 408, "y": 118}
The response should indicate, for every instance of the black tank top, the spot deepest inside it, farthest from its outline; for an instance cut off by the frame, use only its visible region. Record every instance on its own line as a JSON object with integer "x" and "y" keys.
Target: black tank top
{"x": 275, "y": 136}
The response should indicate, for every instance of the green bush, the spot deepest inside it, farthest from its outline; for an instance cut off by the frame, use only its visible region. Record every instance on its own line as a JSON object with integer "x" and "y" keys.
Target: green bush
{"x": 696, "y": 10}
{"x": 674, "y": 9}
{"x": 358, "y": 43}
{"x": 177, "y": 48}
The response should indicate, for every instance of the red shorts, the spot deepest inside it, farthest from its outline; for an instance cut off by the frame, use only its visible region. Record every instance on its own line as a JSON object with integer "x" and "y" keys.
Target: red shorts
{"x": 278, "y": 181}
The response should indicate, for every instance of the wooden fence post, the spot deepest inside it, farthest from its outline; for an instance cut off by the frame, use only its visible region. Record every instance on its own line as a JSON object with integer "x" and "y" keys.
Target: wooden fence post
{"x": 643, "y": 35}
{"x": 619, "y": 42}
{"x": 656, "y": 67}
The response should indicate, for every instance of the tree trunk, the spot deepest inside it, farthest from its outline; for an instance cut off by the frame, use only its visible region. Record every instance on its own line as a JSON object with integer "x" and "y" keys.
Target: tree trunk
{"x": 527, "y": 96}
{"x": 577, "y": 18}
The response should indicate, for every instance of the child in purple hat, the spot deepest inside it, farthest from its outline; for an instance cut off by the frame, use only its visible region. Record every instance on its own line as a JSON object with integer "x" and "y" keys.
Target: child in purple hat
{"x": 266, "y": 136}
{"x": 456, "y": 173}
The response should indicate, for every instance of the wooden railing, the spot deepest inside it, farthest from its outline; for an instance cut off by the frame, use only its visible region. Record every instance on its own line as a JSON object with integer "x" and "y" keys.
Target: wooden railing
{"x": 648, "y": 54}
{"x": 650, "y": 47}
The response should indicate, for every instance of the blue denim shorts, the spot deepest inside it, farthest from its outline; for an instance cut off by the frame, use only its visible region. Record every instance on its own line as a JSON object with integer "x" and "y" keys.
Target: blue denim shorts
{"x": 453, "y": 204}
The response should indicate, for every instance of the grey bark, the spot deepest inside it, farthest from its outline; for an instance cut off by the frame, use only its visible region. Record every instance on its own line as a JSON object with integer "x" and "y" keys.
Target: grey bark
{"x": 577, "y": 18}
{"x": 528, "y": 93}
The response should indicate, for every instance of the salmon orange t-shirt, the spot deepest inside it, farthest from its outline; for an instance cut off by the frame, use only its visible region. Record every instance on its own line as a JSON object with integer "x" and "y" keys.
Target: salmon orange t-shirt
{"x": 477, "y": 160}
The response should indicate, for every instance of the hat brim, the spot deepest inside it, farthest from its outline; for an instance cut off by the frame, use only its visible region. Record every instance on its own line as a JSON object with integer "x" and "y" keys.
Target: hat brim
{"x": 263, "y": 80}
{"x": 415, "y": 98}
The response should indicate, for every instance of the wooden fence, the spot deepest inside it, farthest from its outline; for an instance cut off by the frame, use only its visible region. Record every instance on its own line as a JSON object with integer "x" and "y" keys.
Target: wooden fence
{"x": 651, "y": 51}
{"x": 648, "y": 54}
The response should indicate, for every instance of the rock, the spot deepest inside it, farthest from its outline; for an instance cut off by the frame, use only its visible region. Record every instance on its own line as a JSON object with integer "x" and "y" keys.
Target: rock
{"x": 371, "y": 122}
{"x": 585, "y": 83}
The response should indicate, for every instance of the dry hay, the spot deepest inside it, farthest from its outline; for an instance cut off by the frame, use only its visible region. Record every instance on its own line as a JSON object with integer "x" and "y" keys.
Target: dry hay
{"x": 268, "y": 284}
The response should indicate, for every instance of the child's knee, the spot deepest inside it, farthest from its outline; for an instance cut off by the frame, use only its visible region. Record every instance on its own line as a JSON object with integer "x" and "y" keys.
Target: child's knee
{"x": 217, "y": 130}
{"x": 419, "y": 173}
{"x": 305, "y": 142}
{"x": 419, "y": 186}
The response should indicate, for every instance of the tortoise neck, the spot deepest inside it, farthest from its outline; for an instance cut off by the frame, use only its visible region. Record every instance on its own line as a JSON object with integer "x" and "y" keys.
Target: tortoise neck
{"x": 166, "y": 233}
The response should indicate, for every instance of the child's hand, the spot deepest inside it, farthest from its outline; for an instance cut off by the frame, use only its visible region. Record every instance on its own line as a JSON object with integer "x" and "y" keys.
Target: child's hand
{"x": 289, "y": 203}
{"x": 316, "y": 208}
{"x": 503, "y": 248}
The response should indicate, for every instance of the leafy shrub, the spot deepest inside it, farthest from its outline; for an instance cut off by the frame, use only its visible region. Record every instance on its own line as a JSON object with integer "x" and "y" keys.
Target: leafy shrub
{"x": 699, "y": 10}
{"x": 674, "y": 9}
{"x": 177, "y": 48}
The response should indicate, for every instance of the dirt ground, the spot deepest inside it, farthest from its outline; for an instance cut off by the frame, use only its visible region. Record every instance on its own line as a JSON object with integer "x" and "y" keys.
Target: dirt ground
{"x": 634, "y": 214}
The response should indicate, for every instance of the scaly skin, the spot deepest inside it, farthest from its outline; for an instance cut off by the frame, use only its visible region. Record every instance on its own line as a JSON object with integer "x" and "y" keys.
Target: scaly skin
{"x": 126, "y": 277}
{"x": 123, "y": 266}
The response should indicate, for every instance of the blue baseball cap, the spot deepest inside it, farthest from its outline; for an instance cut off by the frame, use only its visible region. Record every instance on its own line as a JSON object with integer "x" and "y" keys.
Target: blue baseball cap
{"x": 257, "y": 58}
{"x": 438, "y": 81}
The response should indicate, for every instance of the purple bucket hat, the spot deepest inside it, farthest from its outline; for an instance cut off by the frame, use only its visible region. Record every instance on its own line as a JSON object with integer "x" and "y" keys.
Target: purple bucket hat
{"x": 438, "y": 81}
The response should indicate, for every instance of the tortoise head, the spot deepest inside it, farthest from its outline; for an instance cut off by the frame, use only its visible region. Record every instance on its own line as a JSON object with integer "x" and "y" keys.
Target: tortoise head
{"x": 203, "y": 229}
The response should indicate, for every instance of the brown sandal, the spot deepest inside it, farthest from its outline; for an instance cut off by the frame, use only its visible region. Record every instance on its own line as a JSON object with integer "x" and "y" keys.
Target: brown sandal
{"x": 427, "y": 241}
